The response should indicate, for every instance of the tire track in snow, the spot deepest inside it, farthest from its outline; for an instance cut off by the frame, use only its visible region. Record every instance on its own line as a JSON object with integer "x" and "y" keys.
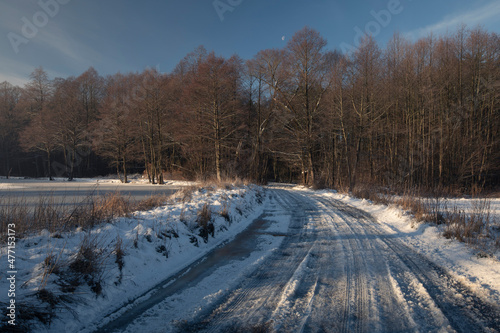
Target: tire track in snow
{"x": 255, "y": 299}
{"x": 286, "y": 314}
{"x": 343, "y": 283}
{"x": 432, "y": 287}
{"x": 375, "y": 299}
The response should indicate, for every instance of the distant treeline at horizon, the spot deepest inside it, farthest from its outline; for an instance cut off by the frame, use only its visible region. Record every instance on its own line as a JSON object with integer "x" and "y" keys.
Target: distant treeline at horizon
{"x": 420, "y": 114}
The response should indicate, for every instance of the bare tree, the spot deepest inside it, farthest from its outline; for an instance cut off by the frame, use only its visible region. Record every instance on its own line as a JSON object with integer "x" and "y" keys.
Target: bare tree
{"x": 71, "y": 126}
{"x": 10, "y": 124}
{"x": 115, "y": 134}
{"x": 301, "y": 95}
{"x": 41, "y": 133}
{"x": 154, "y": 103}
{"x": 215, "y": 106}
{"x": 38, "y": 91}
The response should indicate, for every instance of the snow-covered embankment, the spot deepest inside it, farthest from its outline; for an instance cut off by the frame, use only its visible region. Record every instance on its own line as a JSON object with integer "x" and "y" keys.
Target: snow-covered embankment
{"x": 86, "y": 274}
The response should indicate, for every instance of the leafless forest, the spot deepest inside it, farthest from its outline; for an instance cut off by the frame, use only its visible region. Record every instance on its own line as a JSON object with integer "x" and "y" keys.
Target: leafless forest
{"x": 420, "y": 114}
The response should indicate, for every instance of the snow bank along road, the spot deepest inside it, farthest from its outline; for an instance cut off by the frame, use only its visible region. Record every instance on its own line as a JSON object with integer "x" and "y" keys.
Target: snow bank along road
{"x": 334, "y": 269}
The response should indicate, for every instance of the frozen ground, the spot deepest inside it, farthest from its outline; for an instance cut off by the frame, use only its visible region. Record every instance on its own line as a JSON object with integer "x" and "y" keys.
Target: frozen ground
{"x": 133, "y": 180}
{"x": 308, "y": 262}
{"x": 62, "y": 192}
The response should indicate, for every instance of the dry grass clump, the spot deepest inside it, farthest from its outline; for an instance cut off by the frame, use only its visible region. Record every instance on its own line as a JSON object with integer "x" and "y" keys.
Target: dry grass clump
{"x": 370, "y": 193}
{"x": 413, "y": 204}
{"x": 152, "y": 202}
{"x": 473, "y": 228}
{"x": 45, "y": 215}
{"x": 435, "y": 210}
{"x": 88, "y": 265}
{"x": 225, "y": 211}
{"x": 113, "y": 205}
{"x": 204, "y": 221}
{"x": 227, "y": 183}
{"x": 185, "y": 194}
{"x": 59, "y": 217}
{"x": 204, "y": 216}
{"x": 97, "y": 210}
{"x": 48, "y": 213}
{"x": 13, "y": 212}
{"x": 423, "y": 209}
{"x": 85, "y": 267}
{"x": 51, "y": 303}
{"x": 52, "y": 264}
{"x": 119, "y": 253}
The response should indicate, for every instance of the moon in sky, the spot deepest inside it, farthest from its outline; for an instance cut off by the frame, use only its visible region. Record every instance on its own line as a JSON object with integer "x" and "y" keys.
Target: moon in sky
{"x": 283, "y": 38}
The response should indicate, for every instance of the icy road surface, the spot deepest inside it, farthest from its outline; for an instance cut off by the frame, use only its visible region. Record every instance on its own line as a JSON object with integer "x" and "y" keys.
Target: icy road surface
{"x": 333, "y": 268}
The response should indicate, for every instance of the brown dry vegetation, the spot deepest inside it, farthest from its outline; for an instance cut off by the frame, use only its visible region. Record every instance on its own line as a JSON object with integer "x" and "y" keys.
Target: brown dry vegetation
{"x": 58, "y": 217}
{"x": 476, "y": 228}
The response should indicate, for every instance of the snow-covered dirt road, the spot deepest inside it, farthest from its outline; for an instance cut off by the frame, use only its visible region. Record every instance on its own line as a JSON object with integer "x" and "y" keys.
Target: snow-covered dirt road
{"x": 332, "y": 268}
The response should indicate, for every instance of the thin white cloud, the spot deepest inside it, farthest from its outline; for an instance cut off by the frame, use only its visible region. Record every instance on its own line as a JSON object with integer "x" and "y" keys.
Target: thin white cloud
{"x": 472, "y": 18}
{"x": 18, "y": 73}
{"x": 14, "y": 71}
{"x": 52, "y": 42}
{"x": 22, "y": 76}
{"x": 14, "y": 79}
{"x": 66, "y": 47}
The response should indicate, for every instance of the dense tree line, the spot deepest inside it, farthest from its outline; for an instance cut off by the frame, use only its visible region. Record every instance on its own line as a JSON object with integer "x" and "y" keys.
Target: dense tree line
{"x": 422, "y": 113}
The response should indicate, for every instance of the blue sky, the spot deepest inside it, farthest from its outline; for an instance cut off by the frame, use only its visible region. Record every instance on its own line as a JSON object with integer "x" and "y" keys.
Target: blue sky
{"x": 122, "y": 36}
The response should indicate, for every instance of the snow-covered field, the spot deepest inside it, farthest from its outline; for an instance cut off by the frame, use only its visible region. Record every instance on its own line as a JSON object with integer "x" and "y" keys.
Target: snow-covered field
{"x": 468, "y": 206}
{"x": 20, "y": 182}
{"x": 156, "y": 244}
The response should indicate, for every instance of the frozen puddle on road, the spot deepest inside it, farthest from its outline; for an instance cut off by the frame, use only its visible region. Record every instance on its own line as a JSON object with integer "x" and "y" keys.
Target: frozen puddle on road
{"x": 181, "y": 296}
